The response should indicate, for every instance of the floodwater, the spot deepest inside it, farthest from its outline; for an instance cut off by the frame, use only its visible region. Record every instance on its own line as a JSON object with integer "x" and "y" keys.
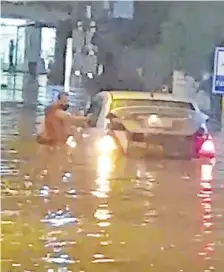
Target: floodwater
{"x": 134, "y": 215}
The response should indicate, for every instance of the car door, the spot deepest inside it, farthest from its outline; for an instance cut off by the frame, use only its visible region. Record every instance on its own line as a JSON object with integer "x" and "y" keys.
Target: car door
{"x": 95, "y": 110}
{"x": 96, "y": 130}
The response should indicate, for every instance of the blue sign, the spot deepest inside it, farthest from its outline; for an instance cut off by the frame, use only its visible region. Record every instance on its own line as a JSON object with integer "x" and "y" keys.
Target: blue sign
{"x": 218, "y": 76}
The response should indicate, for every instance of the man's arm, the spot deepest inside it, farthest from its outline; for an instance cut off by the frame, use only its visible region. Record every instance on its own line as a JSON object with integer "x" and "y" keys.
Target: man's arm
{"x": 76, "y": 120}
{"x": 79, "y": 121}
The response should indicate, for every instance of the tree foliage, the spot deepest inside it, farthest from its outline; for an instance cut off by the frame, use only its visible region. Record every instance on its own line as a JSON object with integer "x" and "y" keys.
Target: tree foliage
{"x": 191, "y": 33}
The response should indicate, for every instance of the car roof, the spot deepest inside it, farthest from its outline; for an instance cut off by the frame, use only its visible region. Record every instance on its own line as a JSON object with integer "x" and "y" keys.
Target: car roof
{"x": 139, "y": 95}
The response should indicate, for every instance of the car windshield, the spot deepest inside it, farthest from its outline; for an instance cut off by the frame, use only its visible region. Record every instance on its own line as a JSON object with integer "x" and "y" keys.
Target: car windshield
{"x": 133, "y": 112}
{"x": 166, "y": 118}
{"x": 117, "y": 103}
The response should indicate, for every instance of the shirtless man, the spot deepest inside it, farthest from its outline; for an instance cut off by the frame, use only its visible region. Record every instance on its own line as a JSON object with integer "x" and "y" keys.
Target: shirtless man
{"x": 54, "y": 133}
{"x": 58, "y": 122}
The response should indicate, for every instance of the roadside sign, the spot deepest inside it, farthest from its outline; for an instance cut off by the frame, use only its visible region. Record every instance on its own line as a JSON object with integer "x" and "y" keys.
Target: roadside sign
{"x": 218, "y": 76}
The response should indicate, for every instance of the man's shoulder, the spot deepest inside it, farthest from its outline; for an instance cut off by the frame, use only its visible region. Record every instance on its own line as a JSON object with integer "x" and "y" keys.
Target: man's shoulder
{"x": 61, "y": 114}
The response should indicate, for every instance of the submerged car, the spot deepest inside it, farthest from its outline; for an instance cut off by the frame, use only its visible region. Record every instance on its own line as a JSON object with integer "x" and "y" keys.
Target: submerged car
{"x": 106, "y": 101}
{"x": 160, "y": 125}
{"x": 172, "y": 132}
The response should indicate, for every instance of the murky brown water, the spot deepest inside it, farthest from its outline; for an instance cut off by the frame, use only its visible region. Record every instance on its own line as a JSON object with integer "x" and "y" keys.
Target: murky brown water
{"x": 135, "y": 215}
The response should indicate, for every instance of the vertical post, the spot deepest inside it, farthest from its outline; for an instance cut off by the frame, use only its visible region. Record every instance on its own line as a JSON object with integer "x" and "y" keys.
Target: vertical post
{"x": 68, "y": 65}
{"x": 63, "y": 30}
{"x": 17, "y": 45}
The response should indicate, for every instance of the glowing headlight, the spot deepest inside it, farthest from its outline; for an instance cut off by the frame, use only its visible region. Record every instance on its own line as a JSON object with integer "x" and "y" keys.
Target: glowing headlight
{"x": 71, "y": 142}
{"x": 106, "y": 145}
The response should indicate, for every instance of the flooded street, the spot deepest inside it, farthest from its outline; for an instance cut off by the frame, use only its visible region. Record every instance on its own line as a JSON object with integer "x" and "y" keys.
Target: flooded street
{"x": 105, "y": 216}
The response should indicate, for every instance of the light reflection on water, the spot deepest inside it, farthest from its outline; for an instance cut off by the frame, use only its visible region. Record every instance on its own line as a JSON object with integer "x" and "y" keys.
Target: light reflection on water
{"x": 205, "y": 196}
{"x": 95, "y": 222}
{"x": 104, "y": 167}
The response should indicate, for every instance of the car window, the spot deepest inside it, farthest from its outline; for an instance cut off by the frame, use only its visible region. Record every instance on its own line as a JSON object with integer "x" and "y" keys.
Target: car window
{"x": 117, "y": 103}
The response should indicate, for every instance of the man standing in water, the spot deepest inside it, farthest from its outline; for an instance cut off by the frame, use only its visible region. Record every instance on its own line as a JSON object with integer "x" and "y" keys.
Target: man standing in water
{"x": 58, "y": 122}
{"x": 53, "y": 136}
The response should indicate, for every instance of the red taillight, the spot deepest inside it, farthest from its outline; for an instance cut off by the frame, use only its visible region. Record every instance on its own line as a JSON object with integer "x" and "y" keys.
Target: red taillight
{"x": 207, "y": 147}
{"x": 204, "y": 145}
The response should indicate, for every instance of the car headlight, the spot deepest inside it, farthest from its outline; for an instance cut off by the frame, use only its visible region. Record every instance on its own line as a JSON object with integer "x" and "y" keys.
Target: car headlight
{"x": 106, "y": 144}
{"x": 71, "y": 142}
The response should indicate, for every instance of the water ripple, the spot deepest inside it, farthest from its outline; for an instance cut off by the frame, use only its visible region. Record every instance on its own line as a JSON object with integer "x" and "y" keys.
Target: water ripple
{"x": 131, "y": 215}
